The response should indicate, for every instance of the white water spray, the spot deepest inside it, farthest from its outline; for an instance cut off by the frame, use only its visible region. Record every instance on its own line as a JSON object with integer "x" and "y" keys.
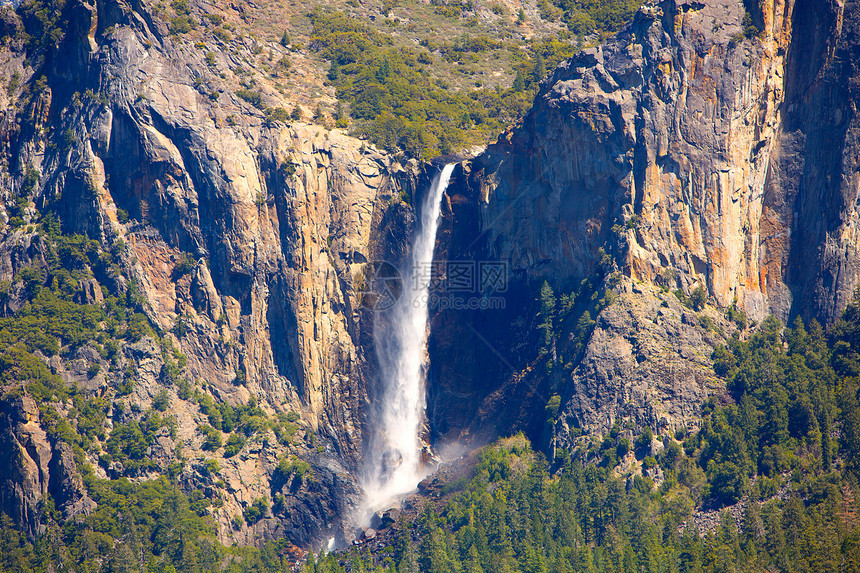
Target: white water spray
{"x": 394, "y": 461}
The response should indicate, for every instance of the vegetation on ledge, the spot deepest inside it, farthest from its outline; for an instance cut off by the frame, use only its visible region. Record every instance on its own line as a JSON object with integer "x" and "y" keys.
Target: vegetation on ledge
{"x": 766, "y": 484}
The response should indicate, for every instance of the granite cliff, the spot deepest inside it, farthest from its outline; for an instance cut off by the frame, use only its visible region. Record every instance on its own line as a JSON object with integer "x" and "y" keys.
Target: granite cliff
{"x": 712, "y": 146}
{"x": 707, "y": 149}
{"x": 245, "y": 237}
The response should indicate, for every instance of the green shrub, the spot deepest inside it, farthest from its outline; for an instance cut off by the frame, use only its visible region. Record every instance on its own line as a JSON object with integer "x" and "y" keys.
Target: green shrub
{"x": 256, "y": 511}
{"x": 181, "y": 24}
{"x": 552, "y": 407}
{"x": 181, "y": 6}
{"x": 292, "y": 466}
{"x": 184, "y": 265}
{"x": 212, "y": 439}
{"x": 129, "y": 443}
{"x": 234, "y": 445}
{"x": 211, "y": 467}
{"x": 750, "y": 30}
{"x": 277, "y": 114}
{"x": 737, "y": 316}
{"x": 184, "y": 390}
{"x": 643, "y": 442}
{"x": 698, "y": 298}
{"x": 138, "y": 327}
{"x": 161, "y": 401}
{"x": 252, "y": 97}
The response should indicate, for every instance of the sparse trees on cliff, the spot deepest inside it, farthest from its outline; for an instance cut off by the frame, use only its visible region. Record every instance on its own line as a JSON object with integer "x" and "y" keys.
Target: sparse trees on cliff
{"x": 698, "y": 298}
{"x": 547, "y": 317}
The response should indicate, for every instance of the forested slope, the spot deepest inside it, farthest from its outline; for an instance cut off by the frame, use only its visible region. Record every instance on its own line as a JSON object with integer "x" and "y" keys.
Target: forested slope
{"x": 766, "y": 484}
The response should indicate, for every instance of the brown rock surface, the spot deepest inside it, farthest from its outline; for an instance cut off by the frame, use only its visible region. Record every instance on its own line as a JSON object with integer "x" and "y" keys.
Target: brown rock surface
{"x": 276, "y": 221}
{"x": 679, "y": 153}
{"x": 683, "y": 146}
{"x": 34, "y": 467}
{"x": 685, "y": 152}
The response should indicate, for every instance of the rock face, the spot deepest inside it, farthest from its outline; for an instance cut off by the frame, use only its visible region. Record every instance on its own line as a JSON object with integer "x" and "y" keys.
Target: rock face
{"x": 710, "y": 144}
{"x": 648, "y": 361}
{"x": 276, "y": 223}
{"x": 34, "y": 468}
{"x": 691, "y": 150}
{"x": 695, "y": 151}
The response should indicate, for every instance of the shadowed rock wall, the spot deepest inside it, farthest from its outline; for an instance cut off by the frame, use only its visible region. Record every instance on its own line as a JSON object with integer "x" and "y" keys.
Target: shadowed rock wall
{"x": 687, "y": 151}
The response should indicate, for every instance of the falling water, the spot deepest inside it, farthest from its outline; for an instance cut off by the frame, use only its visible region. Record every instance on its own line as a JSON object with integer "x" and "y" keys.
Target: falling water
{"x": 395, "y": 464}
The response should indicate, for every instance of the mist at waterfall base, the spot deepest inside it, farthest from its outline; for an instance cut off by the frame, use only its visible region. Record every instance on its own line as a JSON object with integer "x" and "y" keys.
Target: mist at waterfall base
{"x": 393, "y": 463}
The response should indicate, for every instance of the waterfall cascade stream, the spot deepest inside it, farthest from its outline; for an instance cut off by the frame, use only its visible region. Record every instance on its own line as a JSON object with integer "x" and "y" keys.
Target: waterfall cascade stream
{"x": 394, "y": 464}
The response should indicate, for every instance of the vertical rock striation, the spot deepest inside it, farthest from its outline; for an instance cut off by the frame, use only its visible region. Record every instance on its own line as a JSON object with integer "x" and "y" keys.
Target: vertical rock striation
{"x": 709, "y": 144}
{"x": 35, "y": 468}
{"x": 693, "y": 145}
{"x": 276, "y": 221}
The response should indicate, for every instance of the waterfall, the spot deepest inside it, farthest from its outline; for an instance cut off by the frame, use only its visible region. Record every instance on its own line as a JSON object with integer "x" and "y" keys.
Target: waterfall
{"x": 394, "y": 461}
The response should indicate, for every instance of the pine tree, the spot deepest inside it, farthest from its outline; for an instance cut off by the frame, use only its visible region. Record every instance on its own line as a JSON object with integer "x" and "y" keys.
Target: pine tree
{"x": 753, "y": 526}
{"x": 519, "y": 82}
{"x": 311, "y": 563}
{"x": 473, "y": 563}
{"x": 383, "y": 71}
{"x": 698, "y": 298}
{"x": 826, "y": 445}
{"x": 334, "y": 71}
{"x": 539, "y": 70}
{"x": 342, "y": 121}
{"x": 404, "y": 554}
{"x": 547, "y": 312}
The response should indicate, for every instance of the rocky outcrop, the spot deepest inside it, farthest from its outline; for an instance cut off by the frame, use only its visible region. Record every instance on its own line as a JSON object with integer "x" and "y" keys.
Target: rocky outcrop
{"x": 247, "y": 239}
{"x": 26, "y": 454}
{"x": 695, "y": 148}
{"x": 36, "y": 467}
{"x": 709, "y": 144}
{"x": 648, "y": 362}
{"x": 810, "y": 196}
{"x": 66, "y": 484}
